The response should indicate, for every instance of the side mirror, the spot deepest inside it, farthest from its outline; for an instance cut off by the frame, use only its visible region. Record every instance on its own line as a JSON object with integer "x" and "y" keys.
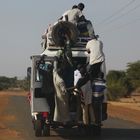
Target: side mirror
{"x": 28, "y": 73}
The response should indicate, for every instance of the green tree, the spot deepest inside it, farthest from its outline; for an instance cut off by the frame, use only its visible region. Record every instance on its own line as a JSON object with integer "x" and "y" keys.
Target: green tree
{"x": 117, "y": 84}
{"x": 4, "y": 83}
{"x": 133, "y": 74}
{"x": 24, "y": 84}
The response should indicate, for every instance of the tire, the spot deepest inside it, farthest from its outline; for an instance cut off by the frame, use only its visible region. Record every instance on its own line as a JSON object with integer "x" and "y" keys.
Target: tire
{"x": 38, "y": 128}
{"x": 64, "y": 27}
{"x": 46, "y": 130}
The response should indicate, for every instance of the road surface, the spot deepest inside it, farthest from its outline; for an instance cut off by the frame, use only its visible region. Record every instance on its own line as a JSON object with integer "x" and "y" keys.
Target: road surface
{"x": 113, "y": 129}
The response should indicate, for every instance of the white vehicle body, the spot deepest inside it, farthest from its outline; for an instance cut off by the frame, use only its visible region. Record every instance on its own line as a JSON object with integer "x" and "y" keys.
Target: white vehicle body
{"x": 38, "y": 101}
{"x": 40, "y": 104}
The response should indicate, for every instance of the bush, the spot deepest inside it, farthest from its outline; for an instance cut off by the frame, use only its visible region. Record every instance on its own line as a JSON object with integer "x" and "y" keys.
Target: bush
{"x": 9, "y": 83}
{"x": 117, "y": 84}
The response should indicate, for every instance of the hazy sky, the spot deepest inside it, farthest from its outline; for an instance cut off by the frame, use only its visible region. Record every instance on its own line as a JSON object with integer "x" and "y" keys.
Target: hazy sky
{"x": 22, "y": 23}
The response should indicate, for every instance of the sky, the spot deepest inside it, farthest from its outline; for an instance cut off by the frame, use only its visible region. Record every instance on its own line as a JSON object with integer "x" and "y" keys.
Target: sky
{"x": 22, "y": 22}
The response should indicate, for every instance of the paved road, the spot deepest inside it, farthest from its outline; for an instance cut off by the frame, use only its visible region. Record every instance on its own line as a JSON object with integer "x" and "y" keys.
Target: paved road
{"x": 114, "y": 129}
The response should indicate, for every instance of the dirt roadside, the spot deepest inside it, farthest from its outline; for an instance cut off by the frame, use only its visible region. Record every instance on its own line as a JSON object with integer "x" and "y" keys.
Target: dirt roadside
{"x": 5, "y": 132}
{"x": 126, "y": 111}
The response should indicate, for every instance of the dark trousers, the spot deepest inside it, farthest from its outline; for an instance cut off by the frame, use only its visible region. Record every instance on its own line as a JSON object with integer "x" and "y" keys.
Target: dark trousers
{"x": 95, "y": 70}
{"x": 51, "y": 102}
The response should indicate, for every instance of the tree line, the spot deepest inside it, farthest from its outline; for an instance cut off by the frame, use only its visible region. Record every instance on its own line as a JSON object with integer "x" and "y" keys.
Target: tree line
{"x": 123, "y": 83}
{"x": 12, "y": 83}
{"x": 119, "y": 83}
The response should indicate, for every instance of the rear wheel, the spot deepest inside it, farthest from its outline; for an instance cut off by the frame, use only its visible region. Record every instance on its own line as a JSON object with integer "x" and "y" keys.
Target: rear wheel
{"x": 38, "y": 129}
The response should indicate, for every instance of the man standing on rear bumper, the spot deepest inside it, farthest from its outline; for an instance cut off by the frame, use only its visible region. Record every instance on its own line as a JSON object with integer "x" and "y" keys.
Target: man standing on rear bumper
{"x": 95, "y": 49}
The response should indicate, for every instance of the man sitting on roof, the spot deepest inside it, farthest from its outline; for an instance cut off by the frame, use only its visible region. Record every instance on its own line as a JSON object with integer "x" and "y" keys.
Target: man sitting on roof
{"x": 75, "y": 14}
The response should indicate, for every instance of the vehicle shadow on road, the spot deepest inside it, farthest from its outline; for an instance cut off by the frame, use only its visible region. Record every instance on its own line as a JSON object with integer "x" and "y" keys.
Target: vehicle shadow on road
{"x": 106, "y": 134}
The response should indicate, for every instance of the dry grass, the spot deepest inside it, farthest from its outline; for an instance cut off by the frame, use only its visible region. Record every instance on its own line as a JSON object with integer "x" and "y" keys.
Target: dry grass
{"x": 126, "y": 109}
{"x": 13, "y": 93}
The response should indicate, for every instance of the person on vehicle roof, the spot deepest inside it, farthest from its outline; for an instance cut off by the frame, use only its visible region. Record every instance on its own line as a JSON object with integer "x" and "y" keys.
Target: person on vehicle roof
{"x": 75, "y": 14}
{"x": 64, "y": 17}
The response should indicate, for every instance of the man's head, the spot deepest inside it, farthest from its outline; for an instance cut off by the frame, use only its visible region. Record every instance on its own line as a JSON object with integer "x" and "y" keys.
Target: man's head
{"x": 81, "y": 6}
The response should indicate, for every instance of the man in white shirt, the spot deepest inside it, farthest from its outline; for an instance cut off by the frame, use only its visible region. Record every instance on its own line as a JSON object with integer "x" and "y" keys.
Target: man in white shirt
{"x": 65, "y": 15}
{"x": 74, "y": 14}
{"x": 95, "y": 49}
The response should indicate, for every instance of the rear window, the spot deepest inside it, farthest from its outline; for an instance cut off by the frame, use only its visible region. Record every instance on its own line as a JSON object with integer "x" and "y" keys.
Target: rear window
{"x": 42, "y": 68}
{"x": 79, "y": 60}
